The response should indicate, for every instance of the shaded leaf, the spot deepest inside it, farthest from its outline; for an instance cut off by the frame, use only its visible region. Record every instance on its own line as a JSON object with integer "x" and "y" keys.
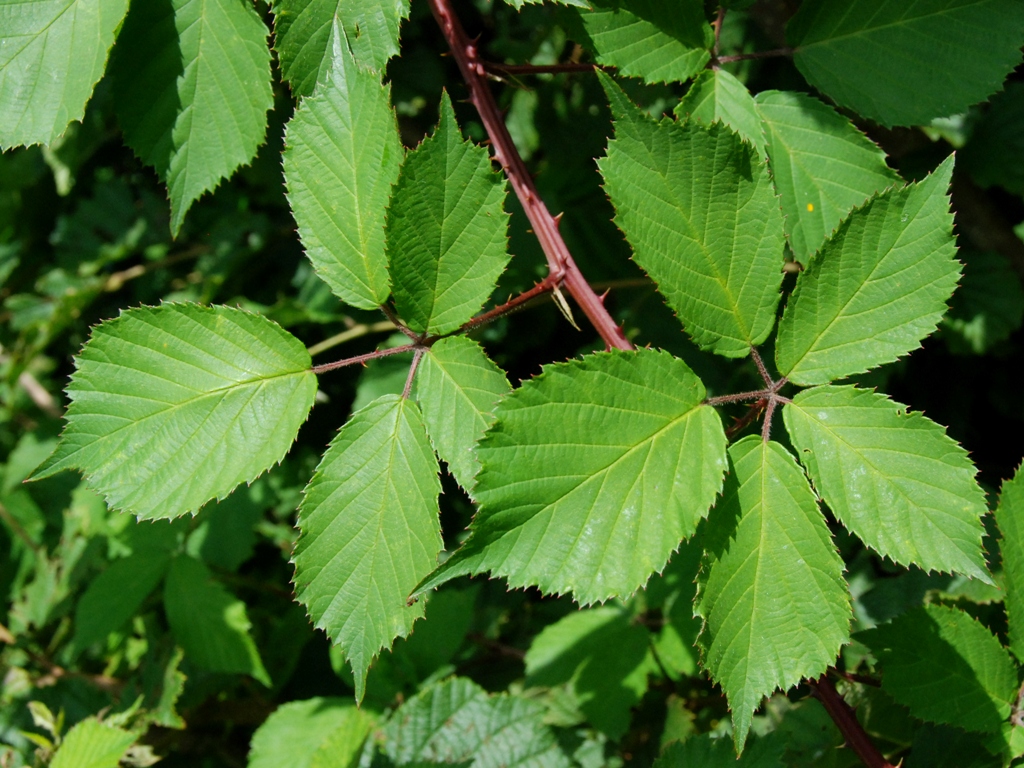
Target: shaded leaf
{"x": 192, "y": 86}
{"x": 298, "y": 734}
{"x": 1010, "y": 519}
{"x": 172, "y": 406}
{"x": 771, "y": 592}
{"x": 863, "y": 53}
{"x": 341, "y": 157}
{"x": 446, "y": 230}
{"x": 92, "y": 744}
{"x": 877, "y": 287}
{"x": 821, "y": 164}
{"x": 987, "y": 307}
{"x": 698, "y": 208}
{"x": 995, "y": 153}
{"x": 707, "y": 752}
{"x": 718, "y": 97}
{"x": 892, "y": 477}
{"x": 593, "y": 473}
{"x": 458, "y": 388}
{"x": 369, "y": 531}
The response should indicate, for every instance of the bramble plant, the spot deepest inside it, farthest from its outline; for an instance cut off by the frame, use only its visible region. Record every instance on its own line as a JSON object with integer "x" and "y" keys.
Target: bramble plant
{"x": 827, "y": 533}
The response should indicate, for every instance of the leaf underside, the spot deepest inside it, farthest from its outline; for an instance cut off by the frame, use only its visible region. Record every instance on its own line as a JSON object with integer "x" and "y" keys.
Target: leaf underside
{"x": 175, "y": 405}
{"x": 592, "y": 474}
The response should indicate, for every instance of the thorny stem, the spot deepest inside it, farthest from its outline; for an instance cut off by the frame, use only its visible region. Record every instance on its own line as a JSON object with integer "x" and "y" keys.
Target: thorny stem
{"x": 364, "y": 358}
{"x": 514, "y": 304}
{"x": 390, "y": 314}
{"x": 767, "y": 379}
{"x": 412, "y": 371}
{"x": 560, "y": 261}
{"x": 845, "y": 719}
{"x": 766, "y": 399}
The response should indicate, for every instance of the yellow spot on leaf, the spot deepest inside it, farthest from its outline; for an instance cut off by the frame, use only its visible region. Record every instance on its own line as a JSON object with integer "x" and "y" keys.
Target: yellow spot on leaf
{"x": 810, "y": 206}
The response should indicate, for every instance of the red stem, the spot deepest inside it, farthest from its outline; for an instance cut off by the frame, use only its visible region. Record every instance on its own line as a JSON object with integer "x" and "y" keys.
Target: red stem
{"x": 560, "y": 261}
{"x": 843, "y": 716}
{"x": 755, "y": 55}
{"x": 365, "y": 358}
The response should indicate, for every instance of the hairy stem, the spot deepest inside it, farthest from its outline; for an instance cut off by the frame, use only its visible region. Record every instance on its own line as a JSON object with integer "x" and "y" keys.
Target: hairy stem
{"x": 365, "y": 358}
{"x": 845, "y": 719}
{"x": 514, "y": 304}
{"x": 560, "y": 261}
{"x": 412, "y": 372}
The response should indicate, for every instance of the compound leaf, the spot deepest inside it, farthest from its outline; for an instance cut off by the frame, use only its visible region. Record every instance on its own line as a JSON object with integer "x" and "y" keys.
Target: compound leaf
{"x": 457, "y": 722}
{"x": 304, "y": 35}
{"x": 604, "y": 655}
{"x": 172, "y": 406}
{"x": 208, "y": 622}
{"x": 342, "y": 156}
{"x": 1010, "y": 519}
{"x": 877, "y": 287}
{"x": 369, "y": 531}
{"x": 657, "y": 40}
{"x": 718, "y": 97}
{"x": 893, "y": 478}
{"x": 593, "y": 473}
{"x": 771, "y": 591}
{"x": 864, "y": 53}
{"x": 821, "y": 164}
{"x": 93, "y": 744}
{"x": 52, "y": 53}
{"x": 457, "y": 387}
{"x": 446, "y": 230}
{"x": 698, "y": 208}
{"x": 297, "y": 731}
{"x": 192, "y": 81}
{"x": 945, "y": 667}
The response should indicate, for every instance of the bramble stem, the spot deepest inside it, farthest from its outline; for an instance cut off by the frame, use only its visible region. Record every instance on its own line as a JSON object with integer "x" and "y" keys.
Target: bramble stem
{"x": 514, "y": 304}
{"x": 365, "y": 358}
{"x": 412, "y": 372}
{"x": 767, "y": 379}
{"x": 845, "y": 719}
{"x": 560, "y": 261}
{"x": 754, "y": 55}
{"x": 742, "y": 397}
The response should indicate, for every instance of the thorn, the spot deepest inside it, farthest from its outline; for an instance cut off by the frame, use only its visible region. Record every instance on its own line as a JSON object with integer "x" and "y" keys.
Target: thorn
{"x": 558, "y": 220}
{"x": 603, "y": 296}
{"x": 563, "y": 306}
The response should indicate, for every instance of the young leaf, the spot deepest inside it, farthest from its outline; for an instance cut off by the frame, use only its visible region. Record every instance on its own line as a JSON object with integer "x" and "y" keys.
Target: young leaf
{"x": 304, "y": 35}
{"x": 172, "y": 406}
{"x": 295, "y": 733}
{"x": 51, "y": 56}
{"x": 93, "y": 744}
{"x": 1010, "y": 519}
{"x": 864, "y": 53}
{"x": 771, "y": 593}
{"x": 945, "y": 667}
{"x": 341, "y": 157}
{"x": 592, "y": 475}
{"x": 192, "y": 84}
{"x": 658, "y": 40}
{"x": 457, "y": 387}
{"x": 457, "y": 722}
{"x": 877, "y": 287}
{"x": 821, "y": 164}
{"x": 893, "y": 478}
{"x": 115, "y": 595}
{"x": 208, "y": 622}
{"x": 603, "y": 655}
{"x": 446, "y": 230}
{"x": 697, "y": 206}
{"x": 718, "y": 97}
{"x": 369, "y": 531}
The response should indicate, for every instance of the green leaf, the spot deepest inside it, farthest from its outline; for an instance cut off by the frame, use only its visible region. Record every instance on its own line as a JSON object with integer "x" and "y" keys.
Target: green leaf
{"x": 987, "y": 307}
{"x": 864, "y": 53}
{"x": 304, "y": 35}
{"x": 457, "y": 387}
{"x": 172, "y": 406}
{"x": 821, "y": 164}
{"x": 605, "y": 657}
{"x": 718, "y": 97}
{"x": 658, "y": 40}
{"x": 995, "y": 153}
{"x": 593, "y": 473}
{"x": 226, "y": 535}
{"x": 456, "y": 721}
{"x": 945, "y": 667}
{"x": 115, "y": 595}
{"x": 698, "y": 208}
{"x": 298, "y": 732}
{"x": 341, "y": 157}
{"x": 706, "y": 751}
{"x": 192, "y": 87}
{"x": 672, "y": 592}
{"x": 771, "y": 592}
{"x": 52, "y": 53}
{"x": 92, "y": 744}
{"x": 369, "y": 531}
{"x": 1010, "y": 519}
{"x": 208, "y": 622}
{"x": 892, "y": 477}
{"x": 877, "y": 287}
{"x": 446, "y": 230}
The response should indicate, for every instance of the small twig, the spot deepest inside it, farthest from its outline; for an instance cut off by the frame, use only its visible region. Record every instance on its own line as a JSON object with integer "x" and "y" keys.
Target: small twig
{"x": 754, "y": 55}
{"x": 768, "y": 380}
{"x": 37, "y": 394}
{"x": 717, "y": 24}
{"x": 751, "y": 415}
{"x": 742, "y": 397}
{"x": 355, "y": 332}
{"x": 845, "y": 719}
{"x": 118, "y": 279}
{"x": 497, "y": 646}
{"x": 365, "y": 358}
{"x": 412, "y": 372}
{"x": 19, "y": 531}
{"x": 390, "y": 314}
{"x": 512, "y": 305}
